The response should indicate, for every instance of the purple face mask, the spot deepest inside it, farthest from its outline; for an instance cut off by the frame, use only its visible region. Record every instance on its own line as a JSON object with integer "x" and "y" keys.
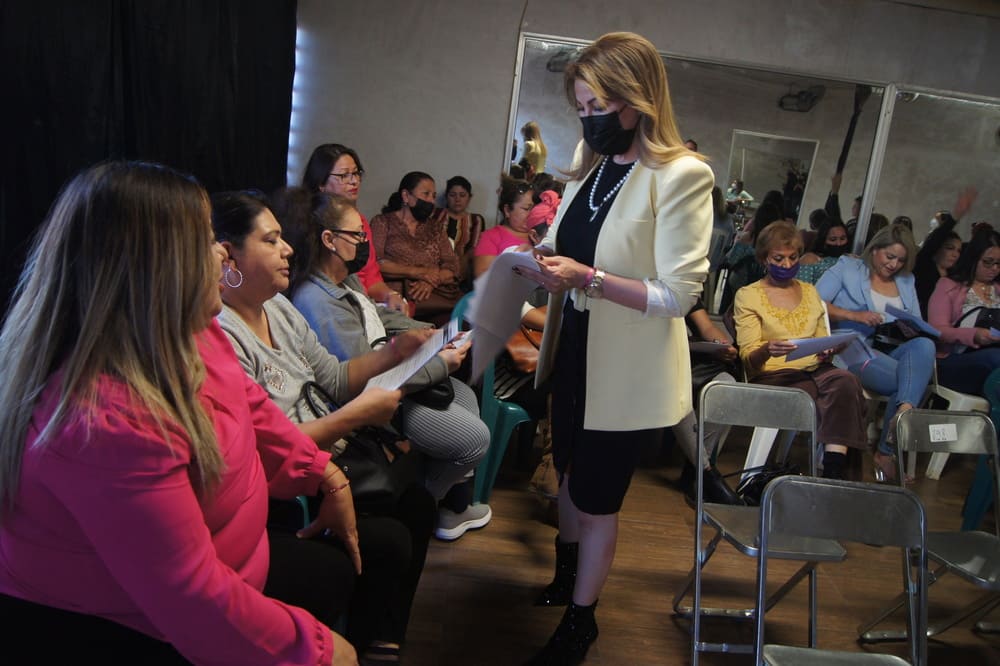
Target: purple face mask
{"x": 782, "y": 274}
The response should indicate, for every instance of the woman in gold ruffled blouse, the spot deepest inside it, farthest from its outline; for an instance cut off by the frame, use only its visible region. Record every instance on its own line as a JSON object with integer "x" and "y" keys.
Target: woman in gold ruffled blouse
{"x": 778, "y": 308}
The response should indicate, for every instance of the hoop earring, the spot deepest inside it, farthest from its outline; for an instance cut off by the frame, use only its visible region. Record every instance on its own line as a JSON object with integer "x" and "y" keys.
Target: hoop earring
{"x": 226, "y": 277}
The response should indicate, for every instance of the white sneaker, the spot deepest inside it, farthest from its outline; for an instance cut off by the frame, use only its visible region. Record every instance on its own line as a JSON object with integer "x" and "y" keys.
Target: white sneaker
{"x": 452, "y": 525}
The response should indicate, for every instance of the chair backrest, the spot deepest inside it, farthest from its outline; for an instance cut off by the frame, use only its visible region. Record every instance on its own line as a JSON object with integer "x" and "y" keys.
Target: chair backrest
{"x": 798, "y": 506}
{"x": 458, "y": 312}
{"x": 756, "y": 405}
{"x": 969, "y": 433}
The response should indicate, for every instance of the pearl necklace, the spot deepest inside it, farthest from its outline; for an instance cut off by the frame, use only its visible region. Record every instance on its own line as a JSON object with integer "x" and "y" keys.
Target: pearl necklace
{"x": 611, "y": 193}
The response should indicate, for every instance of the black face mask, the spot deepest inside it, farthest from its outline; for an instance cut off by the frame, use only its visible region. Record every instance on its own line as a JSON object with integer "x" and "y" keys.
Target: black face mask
{"x": 361, "y": 253}
{"x": 834, "y": 250}
{"x": 421, "y": 210}
{"x": 605, "y": 134}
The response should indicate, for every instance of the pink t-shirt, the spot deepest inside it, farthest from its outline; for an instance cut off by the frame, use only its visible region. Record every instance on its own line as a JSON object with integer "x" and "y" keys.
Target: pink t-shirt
{"x": 495, "y": 240}
{"x": 108, "y": 521}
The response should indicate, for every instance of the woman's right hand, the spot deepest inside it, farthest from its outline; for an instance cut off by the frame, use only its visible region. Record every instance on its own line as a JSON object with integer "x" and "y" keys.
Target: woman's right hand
{"x": 780, "y": 347}
{"x": 343, "y": 652}
{"x": 376, "y": 405}
{"x": 406, "y": 344}
{"x": 867, "y": 318}
{"x": 984, "y": 338}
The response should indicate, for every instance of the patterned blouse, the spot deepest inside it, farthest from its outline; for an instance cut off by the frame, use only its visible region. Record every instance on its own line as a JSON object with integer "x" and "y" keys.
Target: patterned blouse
{"x": 428, "y": 246}
{"x": 759, "y": 321}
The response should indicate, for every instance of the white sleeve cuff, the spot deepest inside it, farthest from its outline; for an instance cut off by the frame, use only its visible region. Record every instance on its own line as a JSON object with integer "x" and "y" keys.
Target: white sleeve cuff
{"x": 660, "y": 301}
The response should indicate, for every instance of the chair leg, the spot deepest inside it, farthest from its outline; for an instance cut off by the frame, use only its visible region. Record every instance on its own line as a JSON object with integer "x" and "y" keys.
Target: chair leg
{"x": 980, "y": 496}
{"x": 936, "y": 465}
{"x": 486, "y": 473}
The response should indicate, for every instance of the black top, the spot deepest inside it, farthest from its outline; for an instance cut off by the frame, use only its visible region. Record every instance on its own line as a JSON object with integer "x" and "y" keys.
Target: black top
{"x": 925, "y": 271}
{"x": 577, "y": 237}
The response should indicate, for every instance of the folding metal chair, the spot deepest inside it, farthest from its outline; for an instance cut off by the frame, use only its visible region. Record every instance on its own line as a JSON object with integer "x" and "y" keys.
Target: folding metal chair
{"x": 795, "y": 506}
{"x": 972, "y": 555}
{"x": 750, "y": 405}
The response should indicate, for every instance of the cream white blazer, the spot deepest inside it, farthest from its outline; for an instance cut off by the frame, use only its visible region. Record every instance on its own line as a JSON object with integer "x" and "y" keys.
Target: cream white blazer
{"x": 638, "y": 367}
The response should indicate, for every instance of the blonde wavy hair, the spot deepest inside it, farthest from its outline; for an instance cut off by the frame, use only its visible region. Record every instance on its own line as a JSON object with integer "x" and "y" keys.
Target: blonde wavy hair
{"x": 116, "y": 285}
{"x": 627, "y": 67}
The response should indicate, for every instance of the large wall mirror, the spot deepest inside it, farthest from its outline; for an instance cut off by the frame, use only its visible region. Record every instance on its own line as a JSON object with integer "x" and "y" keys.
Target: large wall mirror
{"x": 763, "y": 162}
{"x": 936, "y": 147}
{"x": 711, "y": 100}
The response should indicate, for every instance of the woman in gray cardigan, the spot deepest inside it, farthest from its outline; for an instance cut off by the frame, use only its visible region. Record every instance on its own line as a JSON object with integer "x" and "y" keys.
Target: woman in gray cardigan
{"x": 330, "y": 244}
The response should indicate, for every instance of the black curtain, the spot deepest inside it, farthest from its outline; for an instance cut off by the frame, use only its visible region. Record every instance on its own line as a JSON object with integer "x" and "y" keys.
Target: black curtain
{"x": 201, "y": 85}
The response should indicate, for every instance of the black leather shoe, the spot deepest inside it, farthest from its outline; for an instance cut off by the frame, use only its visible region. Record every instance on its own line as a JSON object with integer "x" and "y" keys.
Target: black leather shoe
{"x": 560, "y": 591}
{"x": 571, "y": 640}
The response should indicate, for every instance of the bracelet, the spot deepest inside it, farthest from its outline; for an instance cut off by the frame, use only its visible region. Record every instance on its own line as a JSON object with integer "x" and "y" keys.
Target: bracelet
{"x": 334, "y": 491}
{"x": 587, "y": 280}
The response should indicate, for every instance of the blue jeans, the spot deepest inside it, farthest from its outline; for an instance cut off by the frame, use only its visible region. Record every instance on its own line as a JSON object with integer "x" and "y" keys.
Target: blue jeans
{"x": 901, "y": 375}
{"x": 966, "y": 373}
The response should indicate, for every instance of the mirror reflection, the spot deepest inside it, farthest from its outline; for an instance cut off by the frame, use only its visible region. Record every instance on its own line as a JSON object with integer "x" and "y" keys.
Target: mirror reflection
{"x": 763, "y": 162}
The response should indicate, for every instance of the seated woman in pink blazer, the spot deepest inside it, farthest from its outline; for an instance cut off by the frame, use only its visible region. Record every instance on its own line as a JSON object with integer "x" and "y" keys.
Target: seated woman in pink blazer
{"x": 967, "y": 353}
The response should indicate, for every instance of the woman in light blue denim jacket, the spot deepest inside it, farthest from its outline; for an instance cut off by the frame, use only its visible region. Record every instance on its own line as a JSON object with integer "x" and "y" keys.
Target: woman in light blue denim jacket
{"x": 857, "y": 292}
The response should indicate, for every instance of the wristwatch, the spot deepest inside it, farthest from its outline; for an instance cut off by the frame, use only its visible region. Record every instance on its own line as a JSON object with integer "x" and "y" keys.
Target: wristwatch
{"x": 595, "y": 287}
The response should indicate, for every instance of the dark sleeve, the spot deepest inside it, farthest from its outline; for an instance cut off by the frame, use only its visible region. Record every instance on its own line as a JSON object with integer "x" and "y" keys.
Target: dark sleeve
{"x": 832, "y": 206}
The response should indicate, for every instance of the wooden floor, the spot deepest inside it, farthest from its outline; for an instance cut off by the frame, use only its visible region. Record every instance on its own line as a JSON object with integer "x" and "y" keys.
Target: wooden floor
{"x": 474, "y": 605}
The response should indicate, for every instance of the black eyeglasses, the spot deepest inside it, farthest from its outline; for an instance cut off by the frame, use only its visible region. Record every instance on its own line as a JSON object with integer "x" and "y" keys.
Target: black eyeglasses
{"x": 349, "y": 175}
{"x": 360, "y": 236}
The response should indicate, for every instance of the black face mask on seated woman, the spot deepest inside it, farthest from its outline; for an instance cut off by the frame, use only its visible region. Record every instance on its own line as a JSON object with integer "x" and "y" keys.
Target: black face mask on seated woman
{"x": 361, "y": 253}
{"x": 421, "y": 210}
{"x": 605, "y": 134}
{"x": 834, "y": 250}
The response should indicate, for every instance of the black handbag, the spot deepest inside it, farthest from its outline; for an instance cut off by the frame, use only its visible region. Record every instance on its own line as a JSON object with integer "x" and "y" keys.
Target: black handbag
{"x": 751, "y": 489}
{"x": 891, "y": 334}
{"x": 379, "y": 471}
{"x": 985, "y": 318}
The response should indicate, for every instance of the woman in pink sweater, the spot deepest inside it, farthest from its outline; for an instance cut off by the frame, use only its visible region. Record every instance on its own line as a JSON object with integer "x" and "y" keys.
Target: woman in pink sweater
{"x": 136, "y": 456}
{"x": 968, "y": 350}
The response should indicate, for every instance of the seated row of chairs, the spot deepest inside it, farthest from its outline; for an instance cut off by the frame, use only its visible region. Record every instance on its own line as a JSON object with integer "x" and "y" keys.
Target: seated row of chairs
{"x": 805, "y": 519}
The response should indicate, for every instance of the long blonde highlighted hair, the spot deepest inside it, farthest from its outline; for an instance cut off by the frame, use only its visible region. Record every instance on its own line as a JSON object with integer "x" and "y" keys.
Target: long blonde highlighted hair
{"x": 116, "y": 285}
{"x": 627, "y": 67}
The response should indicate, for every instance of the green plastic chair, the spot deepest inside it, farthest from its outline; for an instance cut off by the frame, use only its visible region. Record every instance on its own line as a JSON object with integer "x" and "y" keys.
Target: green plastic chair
{"x": 500, "y": 416}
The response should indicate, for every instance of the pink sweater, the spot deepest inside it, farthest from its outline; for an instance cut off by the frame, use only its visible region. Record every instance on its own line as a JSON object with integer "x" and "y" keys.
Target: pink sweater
{"x": 109, "y": 522}
{"x": 944, "y": 309}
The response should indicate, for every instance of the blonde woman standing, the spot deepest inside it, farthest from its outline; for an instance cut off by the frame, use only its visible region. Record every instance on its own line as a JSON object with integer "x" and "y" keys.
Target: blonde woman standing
{"x": 534, "y": 148}
{"x": 624, "y": 260}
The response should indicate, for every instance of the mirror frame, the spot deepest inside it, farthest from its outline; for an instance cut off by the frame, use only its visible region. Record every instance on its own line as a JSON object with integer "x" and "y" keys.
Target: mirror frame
{"x": 780, "y": 137}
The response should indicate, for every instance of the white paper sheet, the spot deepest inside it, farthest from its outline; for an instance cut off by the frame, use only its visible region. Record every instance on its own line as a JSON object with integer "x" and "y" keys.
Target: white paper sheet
{"x": 495, "y": 309}
{"x": 809, "y": 346}
{"x": 397, "y": 375}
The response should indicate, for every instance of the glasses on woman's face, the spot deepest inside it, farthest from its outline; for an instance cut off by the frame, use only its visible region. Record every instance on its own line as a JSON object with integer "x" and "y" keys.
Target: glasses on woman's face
{"x": 348, "y": 176}
{"x": 989, "y": 263}
{"x": 359, "y": 236}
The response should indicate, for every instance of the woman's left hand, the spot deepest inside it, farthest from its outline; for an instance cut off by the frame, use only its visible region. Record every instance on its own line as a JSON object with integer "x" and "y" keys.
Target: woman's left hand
{"x": 453, "y": 356}
{"x": 557, "y": 273}
{"x": 420, "y": 290}
{"x": 336, "y": 514}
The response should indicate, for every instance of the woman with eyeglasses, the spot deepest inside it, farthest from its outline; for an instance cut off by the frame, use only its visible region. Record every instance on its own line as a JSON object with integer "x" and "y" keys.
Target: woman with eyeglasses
{"x": 336, "y": 169}
{"x": 330, "y": 244}
{"x": 858, "y": 291}
{"x": 623, "y": 262}
{"x": 968, "y": 350}
{"x": 136, "y": 456}
{"x": 412, "y": 246}
{"x": 276, "y": 347}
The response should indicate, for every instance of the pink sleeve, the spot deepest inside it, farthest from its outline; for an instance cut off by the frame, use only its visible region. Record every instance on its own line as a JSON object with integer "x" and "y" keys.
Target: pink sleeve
{"x": 370, "y": 274}
{"x": 944, "y": 308}
{"x": 292, "y": 462}
{"x": 133, "y": 499}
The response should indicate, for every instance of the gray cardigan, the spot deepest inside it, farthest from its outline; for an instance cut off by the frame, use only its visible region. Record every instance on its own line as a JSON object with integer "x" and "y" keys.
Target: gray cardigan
{"x": 296, "y": 358}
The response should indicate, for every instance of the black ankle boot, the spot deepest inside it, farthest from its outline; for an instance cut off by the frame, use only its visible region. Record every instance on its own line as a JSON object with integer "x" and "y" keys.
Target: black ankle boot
{"x": 571, "y": 640}
{"x": 560, "y": 591}
{"x": 686, "y": 481}
{"x": 716, "y": 490}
